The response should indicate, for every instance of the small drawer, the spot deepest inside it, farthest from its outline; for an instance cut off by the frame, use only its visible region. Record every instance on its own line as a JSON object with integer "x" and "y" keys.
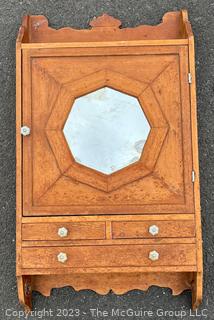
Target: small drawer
{"x": 63, "y": 231}
{"x": 153, "y": 229}
{"x": 109, "y": 256}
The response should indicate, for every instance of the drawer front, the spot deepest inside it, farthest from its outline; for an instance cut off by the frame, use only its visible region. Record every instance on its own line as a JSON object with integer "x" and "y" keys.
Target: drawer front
{"x": 109, "y": 256}
{"x": 63, "y": 231}
{"x": 153, "y": 229}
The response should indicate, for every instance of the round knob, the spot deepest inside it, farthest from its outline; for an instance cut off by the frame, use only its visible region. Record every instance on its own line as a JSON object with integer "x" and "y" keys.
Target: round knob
{"x": 63, "y": 232}
{"x": 153, "y": 230}
{"x": 62, "y": 257}
{"x": 153, "y": 255}
{"x": 25, "y": 131}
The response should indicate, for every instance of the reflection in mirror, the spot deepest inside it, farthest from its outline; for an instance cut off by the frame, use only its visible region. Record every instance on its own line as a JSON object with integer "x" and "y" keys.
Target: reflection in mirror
{"x": 106, "y": 130}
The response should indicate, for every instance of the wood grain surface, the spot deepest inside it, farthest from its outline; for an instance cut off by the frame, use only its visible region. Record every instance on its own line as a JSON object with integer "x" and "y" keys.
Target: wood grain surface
{"x": 107, "y": 216}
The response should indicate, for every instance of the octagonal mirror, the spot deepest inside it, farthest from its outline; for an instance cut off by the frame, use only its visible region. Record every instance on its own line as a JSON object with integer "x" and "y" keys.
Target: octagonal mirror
{"x": 106, "y": 130}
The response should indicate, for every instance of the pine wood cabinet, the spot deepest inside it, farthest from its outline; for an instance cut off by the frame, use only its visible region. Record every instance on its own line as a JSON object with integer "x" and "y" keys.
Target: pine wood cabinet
{"x": 107, "y": 158}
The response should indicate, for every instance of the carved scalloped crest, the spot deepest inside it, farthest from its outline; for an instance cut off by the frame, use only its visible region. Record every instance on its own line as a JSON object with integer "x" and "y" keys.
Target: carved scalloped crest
{"x": 105, "y": 21}
{"x": 106, "y": 28}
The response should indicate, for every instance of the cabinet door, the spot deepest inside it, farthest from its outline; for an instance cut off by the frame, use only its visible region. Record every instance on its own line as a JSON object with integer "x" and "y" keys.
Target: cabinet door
{"x": 110, "y": 131}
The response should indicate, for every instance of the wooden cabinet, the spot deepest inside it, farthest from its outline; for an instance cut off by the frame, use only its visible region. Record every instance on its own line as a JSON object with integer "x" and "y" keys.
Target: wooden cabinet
{"x": 107, "y": 157}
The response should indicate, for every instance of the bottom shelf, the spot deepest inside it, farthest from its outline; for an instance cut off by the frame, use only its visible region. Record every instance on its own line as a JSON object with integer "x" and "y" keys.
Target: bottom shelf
{"x": 119, "y": 283}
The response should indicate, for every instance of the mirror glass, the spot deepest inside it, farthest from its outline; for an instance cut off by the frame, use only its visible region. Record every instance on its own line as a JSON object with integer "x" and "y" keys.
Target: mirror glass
{"x": 106, "y": 130}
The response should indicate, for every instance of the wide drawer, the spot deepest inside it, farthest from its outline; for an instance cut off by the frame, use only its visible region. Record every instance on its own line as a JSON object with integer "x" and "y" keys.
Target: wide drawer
{"x": 109, "y": 256}
{"x": 63, "y": 231}
{"x": 151, "y": 229}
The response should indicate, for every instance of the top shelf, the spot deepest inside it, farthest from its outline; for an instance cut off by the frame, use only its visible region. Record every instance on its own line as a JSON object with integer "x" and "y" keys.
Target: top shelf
{"x": 174, "y": 27}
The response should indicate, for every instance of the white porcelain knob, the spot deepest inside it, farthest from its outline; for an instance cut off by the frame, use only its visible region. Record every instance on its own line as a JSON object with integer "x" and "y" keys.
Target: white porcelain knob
{"x": 153, "y": 230}
{"x": 25, "y": 131}
{"x": 153, "y": 255}
{"x": 62, "y": 257}
{"x": 62, "y": 232}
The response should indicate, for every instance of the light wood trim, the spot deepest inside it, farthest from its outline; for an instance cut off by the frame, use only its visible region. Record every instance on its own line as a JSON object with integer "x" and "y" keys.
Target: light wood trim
{"x": 109, "y": 218}
{"x": 104, "y": 51}
{"x": 195, "y": 153}
{"x": 173, "y": 42}
{"x": 197, "y": 285}
{"x": 19, "y": 142}
{"x": 35, "y": 271}
{"x": 107, "y": 209}
{"x": 108, "y": 230}
{"x": 109, "y": 241}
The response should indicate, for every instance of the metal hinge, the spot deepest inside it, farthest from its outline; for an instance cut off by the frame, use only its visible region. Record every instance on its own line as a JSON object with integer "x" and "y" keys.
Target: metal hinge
{"x": 189, "y": 77}
{"x": 193, "y": 176}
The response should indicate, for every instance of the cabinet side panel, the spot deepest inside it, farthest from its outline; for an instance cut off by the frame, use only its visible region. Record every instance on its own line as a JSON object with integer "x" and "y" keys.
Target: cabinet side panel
{"x": 195, "y": 154}
{"x": 18, "y": 154}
